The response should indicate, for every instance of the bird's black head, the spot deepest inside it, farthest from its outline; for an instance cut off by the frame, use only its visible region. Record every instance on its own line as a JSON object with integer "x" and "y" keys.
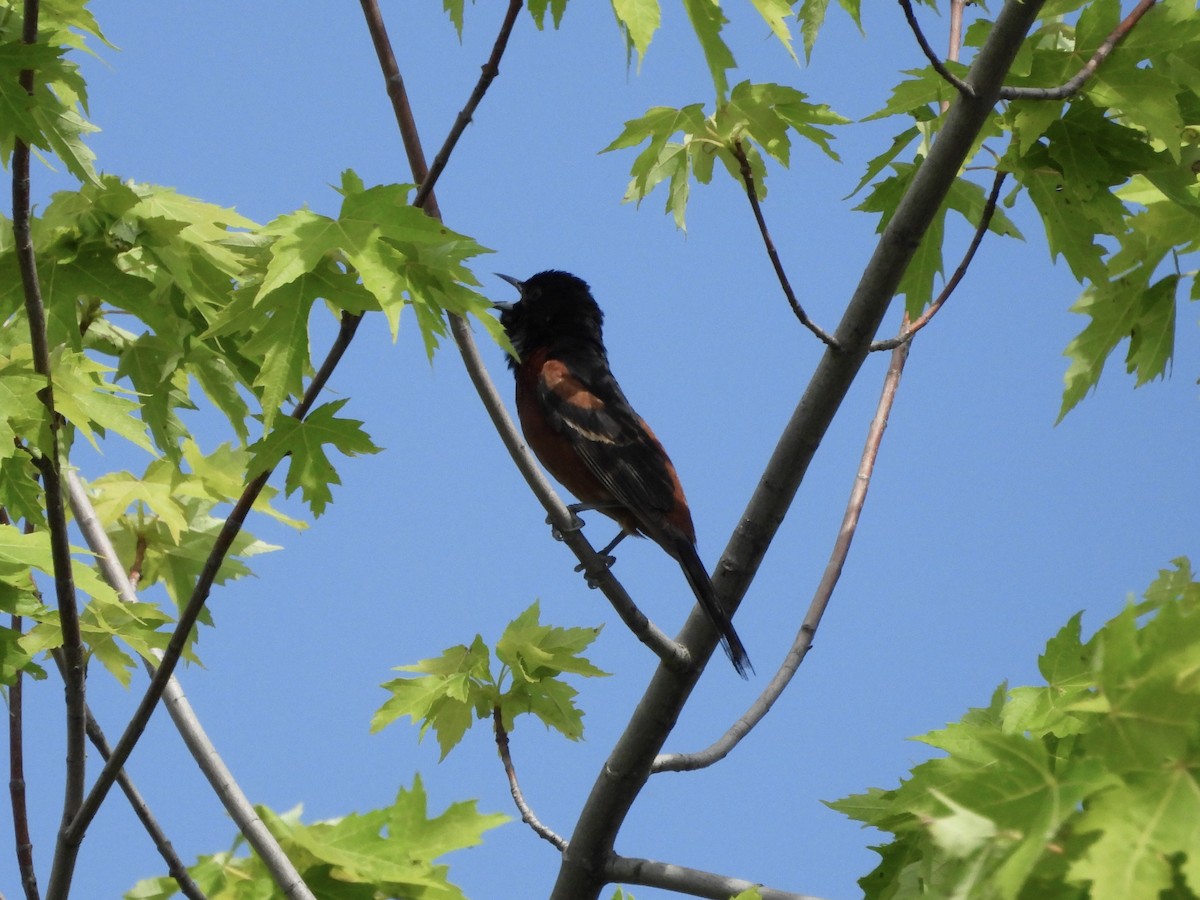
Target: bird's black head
{"x": 555, "y": 310}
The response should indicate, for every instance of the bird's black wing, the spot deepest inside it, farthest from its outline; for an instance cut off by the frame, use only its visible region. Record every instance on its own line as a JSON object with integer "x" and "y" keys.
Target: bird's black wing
{"x": 584, "y": 403}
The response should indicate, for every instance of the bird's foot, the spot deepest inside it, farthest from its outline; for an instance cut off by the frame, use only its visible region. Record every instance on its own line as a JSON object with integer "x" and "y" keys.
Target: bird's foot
{"x": 576, "y": 524}
{"x": 592, "y": 578}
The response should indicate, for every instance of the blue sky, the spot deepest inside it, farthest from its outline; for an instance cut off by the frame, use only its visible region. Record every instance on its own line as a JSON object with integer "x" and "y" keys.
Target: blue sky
{"x": 986, "y": 527}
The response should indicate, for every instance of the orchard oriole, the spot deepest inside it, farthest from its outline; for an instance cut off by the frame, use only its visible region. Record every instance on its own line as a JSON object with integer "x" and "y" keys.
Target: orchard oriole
{"x": 578, "y": 422}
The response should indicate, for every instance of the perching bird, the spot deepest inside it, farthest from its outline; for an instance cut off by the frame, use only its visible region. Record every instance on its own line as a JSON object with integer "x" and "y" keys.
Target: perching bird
{"x": 578, "y": 422}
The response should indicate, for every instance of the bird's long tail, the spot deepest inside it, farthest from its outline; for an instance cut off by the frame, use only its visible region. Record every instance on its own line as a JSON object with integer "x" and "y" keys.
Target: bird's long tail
{"x": 702, "y": 587}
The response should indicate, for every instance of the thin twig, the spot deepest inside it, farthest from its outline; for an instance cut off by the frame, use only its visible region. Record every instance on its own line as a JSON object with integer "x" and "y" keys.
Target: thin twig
{"x": 224, "y": 785}
{"x": 16, "y": 777}
{"x": 489, "y": 71}
{"x": 934, "y": 60}
{"x": 1089, "y": 68}
{"x": 719, "y": 749}
{"x": 674, "y": 656}
{"x": 693, "y": 882}
{"x": 954, "y": 39}
{"x": 909, "y": 332}
{"x": 48, "y": 463}
{"x": 527, "y": 815}
{"x": 747, "y": 173}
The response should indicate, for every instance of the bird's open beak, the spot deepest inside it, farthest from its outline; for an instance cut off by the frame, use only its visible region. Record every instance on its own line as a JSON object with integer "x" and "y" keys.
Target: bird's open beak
{"x": 515, "y": 282}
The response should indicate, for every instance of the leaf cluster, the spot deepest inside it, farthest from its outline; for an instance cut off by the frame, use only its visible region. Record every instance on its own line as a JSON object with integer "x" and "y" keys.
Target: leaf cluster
{"x": 388, "y": 852}
{"x": 1111, "y": 171}
{"x": 451, "y": 691}
{"x": 756, "y": 119}
{"x": 1085, "y": 787}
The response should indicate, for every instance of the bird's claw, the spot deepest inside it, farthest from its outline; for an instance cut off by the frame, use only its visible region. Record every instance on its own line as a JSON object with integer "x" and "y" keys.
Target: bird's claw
{"x": 556, "y": 532}
{"x": 591, "y": 578}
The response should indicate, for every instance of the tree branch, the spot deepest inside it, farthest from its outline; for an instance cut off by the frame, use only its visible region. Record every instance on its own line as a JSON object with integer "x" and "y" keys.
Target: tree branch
{"x": 747, "y": 173}
{"x": 224, "y": 785}
{"x": 16, "y": 777}
{"x": 1089, "y": 68}
{"x": 695, "y": 882}
{"x": 49, "y": 465}
{"x": 527, "y": 815}
{"x": 583, "y": 872}
{"x": 595, "y": 570}
{"x": 934, "y": 60}
{"x": 719, "y": 749}
{"x": 141, "y": 809}
{"x": 191, "y": 611}
{"x": 909, "y": 330}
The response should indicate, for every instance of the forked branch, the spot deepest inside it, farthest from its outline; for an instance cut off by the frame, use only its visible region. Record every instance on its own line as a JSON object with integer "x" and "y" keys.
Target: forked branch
{"x": 1089, "y": 68}
{"x": 909, "y": 330}
{"x": 719, "y": 749}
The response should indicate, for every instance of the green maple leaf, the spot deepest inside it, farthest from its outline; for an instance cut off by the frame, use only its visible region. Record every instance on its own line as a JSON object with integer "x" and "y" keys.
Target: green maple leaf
{"x": 1120, "y": 309}
{"x": 537, "y": 655}
{"x": 309, "y": 467}
{"x": 639, "y": 19}
{"x": 920, "y": 95}
{"x": 707, "y": 22}
{"x": 537, "y": 9}
{"x": 177, "y": 564}
{"x": 452, "y": 689}
{"x": 91, "y": 404}
{"x": 46, "y": 119}
{"x": 459, "y": 826}
{"x": 1141, "y": 826}
{"x": 22, "y": 409}
{"x": 534, "y": 651}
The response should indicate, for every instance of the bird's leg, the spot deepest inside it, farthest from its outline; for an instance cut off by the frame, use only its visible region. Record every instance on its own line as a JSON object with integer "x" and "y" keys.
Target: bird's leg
{"x": 576, "y": 522}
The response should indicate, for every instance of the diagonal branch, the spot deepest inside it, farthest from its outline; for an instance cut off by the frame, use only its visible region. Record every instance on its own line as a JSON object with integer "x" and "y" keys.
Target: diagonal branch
{"x": 934, "y": 60}
{"x": 584, "y": 869}
{"x": 719, "y": 749}
{"x": 282, "y": 872}
{"x": 1089, "y": 68}
{"x": 527, "y": 814}
{"x": 909, "y": 330}
{"x": 141, "y": 809}
{"x": 73, "y": 834}
{"x": 681, "y": 879}
{"x": 596, "y": 572}
{"x": 747, "y": 173}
